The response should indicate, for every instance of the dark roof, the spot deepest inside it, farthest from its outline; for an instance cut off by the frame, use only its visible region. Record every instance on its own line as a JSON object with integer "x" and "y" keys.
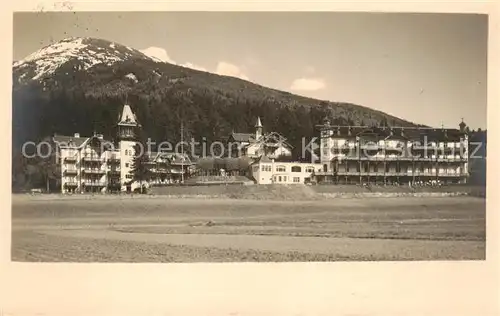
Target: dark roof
{"x": 410, "y": 133}
{"x": 76, "y": 142}
{"x": 69, "y": 140}
{"x": 242, "y": 137}
{"x": 176, "y": 158}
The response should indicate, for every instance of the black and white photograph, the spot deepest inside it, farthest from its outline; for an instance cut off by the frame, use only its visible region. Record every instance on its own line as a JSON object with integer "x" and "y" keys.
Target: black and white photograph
{"x": 208, "y": 137}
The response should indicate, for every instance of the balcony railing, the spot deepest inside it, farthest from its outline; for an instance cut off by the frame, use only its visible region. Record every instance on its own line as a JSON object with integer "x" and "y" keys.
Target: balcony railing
{"x": 391, "y": 173}
{"x": 70, "y": 171}
{"x": 71, "y": 184}
{"x": 92, "y": 158}
{"x": 94, "y": 171}
{"x": 94, "y": 183}
{"x": 70, "y": 159}
{"x": 399, "y": 158}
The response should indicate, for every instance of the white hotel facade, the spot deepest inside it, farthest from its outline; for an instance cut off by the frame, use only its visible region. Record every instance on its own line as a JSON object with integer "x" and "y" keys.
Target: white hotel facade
{"x": 348, "y": 154}
{"x": 93, "y": 164}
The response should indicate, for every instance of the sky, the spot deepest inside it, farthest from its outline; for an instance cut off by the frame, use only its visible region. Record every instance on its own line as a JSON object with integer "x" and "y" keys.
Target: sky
{"x": 426, "y": 68}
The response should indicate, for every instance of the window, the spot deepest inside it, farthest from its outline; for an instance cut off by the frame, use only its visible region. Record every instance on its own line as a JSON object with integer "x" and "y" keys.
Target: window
{"x": 126, "y": 165}
{"x": 296, "y": 169}
{"x": 358, "y": 168}
{"x": 266, "y": 168}
{"x": 386, "y": 168}
{"x": 296, "y": 179}
{"x": 310, "y": 169}
{"x": 280, "y": 169}
{"x": 279, "y": 179}
{"x": 366, "y": 167}
{"x": 375, "y": 168}
{"x": 126, "y": 152}
{"x": 284, "y": 178}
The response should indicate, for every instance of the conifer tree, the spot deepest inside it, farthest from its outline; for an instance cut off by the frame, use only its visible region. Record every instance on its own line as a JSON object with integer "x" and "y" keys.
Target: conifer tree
{"x": 139, "y": 168}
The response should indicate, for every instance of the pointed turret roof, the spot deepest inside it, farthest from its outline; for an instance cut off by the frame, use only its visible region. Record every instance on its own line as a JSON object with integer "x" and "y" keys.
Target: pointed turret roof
{"x": 128, "y": 117}
{"x": 258, "y": 124}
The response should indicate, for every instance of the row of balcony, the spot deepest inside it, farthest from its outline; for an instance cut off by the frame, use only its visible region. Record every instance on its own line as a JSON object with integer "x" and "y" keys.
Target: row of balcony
{"x": 117, "y": 172}
{"x": 92, "y": 159}
{"x": 91, "y": 171}
{"x": 387, "y": 147}
{"x": 401, "y": 158}
{"x": 86, "y": 183}
{"x": 393, "y": 173}
{"x": 92, "y": 183}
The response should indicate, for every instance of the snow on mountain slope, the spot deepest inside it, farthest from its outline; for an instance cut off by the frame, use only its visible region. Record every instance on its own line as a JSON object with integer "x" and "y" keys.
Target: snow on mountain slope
{"x": 87, "y": 51}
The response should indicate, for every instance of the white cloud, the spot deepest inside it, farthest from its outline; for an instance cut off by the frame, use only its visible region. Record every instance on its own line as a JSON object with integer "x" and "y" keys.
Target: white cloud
{"x": 223, "y": 68}
{"x": 228, "y": 69}
{"x": 193, "y": 66}
{"x": 158, "y": 53}
{"x": 308, "y": 84}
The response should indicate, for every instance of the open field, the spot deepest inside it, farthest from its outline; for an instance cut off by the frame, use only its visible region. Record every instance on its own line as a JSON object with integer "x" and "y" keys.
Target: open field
{"x": 163, "y": 229}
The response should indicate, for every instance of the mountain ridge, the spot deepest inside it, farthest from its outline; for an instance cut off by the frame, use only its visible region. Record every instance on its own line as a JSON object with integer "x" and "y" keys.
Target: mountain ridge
{"x": 80, "y": 84}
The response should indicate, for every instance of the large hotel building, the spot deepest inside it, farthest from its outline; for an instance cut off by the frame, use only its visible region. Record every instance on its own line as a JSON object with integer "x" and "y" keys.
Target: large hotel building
{"x": 362, "y": 154}
{"x": 348, "y": 155}
{"x": 93, "y": 164}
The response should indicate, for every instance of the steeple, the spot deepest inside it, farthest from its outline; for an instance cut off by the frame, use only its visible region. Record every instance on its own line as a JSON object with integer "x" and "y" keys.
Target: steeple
{"x": 127, "y": 123}
{"x": 258, "y": 124}
{"x": 258, "y": 129}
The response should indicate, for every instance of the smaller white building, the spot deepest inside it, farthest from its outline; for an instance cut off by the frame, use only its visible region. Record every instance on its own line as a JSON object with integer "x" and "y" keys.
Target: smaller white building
{"x": 265, "y": 170}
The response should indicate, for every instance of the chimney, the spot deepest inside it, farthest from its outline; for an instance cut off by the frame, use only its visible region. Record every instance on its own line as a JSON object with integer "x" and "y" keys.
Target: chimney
{"x": 77, "y": 135}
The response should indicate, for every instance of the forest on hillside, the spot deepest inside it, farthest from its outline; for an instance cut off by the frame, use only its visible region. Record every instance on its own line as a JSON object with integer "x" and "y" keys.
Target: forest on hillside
{"x": 164, "y": 96}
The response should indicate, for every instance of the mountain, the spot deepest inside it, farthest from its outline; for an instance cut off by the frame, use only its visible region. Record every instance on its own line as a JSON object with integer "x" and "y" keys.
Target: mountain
{"x": 80, "y": 85}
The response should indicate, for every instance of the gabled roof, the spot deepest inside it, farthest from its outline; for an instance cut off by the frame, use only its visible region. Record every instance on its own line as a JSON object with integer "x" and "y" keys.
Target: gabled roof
{"x": 175, "y": 158}
{"x": 243, "y": 137}
{"x": 274, "y": 137}
{"x": 127, "y": 117}
{"x": 69, "y": 141}
{"x": 74, "y": 142}
{"x": 263, "y": 159}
